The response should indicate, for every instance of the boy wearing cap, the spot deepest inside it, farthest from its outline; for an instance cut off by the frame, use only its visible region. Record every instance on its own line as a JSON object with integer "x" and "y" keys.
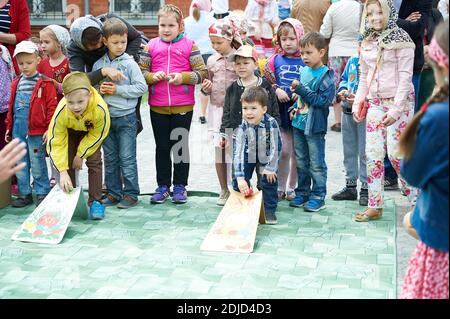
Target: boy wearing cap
{"x": 76, "y": 132}
{"x": 31, "y": 106}
{"x": 245, "y": 63}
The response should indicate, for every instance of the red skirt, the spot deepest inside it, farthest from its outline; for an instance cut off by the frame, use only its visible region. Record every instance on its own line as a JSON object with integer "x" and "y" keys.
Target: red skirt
{"x": 427, "y": 274}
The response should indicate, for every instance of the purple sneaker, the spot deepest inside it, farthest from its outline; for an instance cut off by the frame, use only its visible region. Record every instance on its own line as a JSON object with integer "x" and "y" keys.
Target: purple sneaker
{"x": 160, "y": 195}
{"x": 179, "y": 194}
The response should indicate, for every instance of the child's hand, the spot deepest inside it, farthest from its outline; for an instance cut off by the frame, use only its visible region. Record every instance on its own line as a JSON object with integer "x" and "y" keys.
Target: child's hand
{"x": 159, "y": 76}
{"x": 113, "y": 74}
{"x": 350, "y": 98}
{"x": 108, "y": 88}
{"x": 7, "y": 136}
{"x": 207, "y": 85}
{"x": 356, "y": 118}
{"x": 387, "y": 120}
{"x": 65, "y": 182}
{"x": 271, "y": 176}
{"x": 343, "y": 95}
{"x": 77, "y": 163}
{"x": 176, "y": 78}
{"x": 242, "y": 185}
{"x": 223, "y": 142}
{"x": 292, "y": 114}
{"x": 294, "y": 85}
{"x": 44, "y": 138}
{"x": 282, "y": 96}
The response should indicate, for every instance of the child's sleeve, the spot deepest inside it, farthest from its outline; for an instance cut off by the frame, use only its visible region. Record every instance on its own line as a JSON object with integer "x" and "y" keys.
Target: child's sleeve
{"x": 323, "y": 97}
{"x": 199, "y": 71}
{"x": 344, "y": 85}
{"x": 137, "y": 86}
{"x": 94, "y": 138}
{"x": 145, "y": 63}
{"x": 239, "y": 153}
{"x": 362, "y": 86}
{"x": 275, "y": 148}
{"x": 405, "y": 63}
{"x": 226, "y": 111}
{"x": 273, "y": 107}
{"x": 269, "y": 71}
{"x": 57, "y": 141}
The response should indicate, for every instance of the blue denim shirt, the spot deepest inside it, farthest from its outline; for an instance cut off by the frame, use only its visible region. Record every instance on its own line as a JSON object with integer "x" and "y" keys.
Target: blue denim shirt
{"x": 319, "y": 98}
{"x": 257, "y": 143}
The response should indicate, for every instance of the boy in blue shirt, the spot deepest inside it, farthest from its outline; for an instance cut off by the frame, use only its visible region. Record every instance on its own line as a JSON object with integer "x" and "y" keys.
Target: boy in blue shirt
{"x": 315, "y": 92}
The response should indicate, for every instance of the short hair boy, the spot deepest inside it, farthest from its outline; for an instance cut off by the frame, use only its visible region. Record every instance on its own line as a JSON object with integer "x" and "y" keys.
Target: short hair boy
{"x": 76, "y": 132}
{"x": 316, "y": 90}
{"x": 258, "y": 141}
{"x": 121, "y": 173}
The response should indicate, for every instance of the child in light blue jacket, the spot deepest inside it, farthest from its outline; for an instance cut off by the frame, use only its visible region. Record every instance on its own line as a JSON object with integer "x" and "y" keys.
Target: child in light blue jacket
{"x": 121, "y": 96}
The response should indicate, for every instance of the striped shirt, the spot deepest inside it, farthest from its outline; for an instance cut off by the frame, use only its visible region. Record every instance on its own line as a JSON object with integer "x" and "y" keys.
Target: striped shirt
{"x": 257, "y": 144}
{"x": 27, "y": 84}
{"x": 5, "y": 18}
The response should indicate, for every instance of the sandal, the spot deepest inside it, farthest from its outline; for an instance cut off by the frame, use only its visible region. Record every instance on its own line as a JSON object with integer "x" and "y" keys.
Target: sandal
{"x": 365, "y": 217}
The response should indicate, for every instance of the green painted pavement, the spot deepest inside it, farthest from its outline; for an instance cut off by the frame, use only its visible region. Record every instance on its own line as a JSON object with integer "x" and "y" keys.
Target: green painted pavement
{"x": 152, "y": 251}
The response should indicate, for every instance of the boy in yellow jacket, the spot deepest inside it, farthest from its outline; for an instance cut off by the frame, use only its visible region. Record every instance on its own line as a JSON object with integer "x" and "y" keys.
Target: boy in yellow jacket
{"x": 76, "y": 132}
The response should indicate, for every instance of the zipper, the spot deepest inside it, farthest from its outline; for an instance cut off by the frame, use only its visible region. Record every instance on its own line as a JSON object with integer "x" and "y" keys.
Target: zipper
{"x": 168, "y": 71}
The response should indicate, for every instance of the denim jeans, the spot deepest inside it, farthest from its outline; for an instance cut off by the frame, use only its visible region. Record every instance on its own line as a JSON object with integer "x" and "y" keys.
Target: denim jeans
{"x": 119, "y": 149}
{"x": 311, "y": 166}
{"x": 270, "y": 194}
{"x": 416, "y": 83}
{"x": 35, "y": 157}
{"x": 354, "y": 145}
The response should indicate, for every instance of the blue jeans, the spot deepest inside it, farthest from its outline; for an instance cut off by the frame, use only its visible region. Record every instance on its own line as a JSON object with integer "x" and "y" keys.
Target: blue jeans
{"x": 270, "y": 194}
{"x": 35, "y": 157}
{"x": 119, "y": 149}
{"x": 311, "y": 166}
{"x": 416, "y": 83}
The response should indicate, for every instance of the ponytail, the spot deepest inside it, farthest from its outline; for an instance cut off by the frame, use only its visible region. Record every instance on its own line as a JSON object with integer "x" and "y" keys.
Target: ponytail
{"x": 196, "y": 13}
{"x": 408, "y": 138}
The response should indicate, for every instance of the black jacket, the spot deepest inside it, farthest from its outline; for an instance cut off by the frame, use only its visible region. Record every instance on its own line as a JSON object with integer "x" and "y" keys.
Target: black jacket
{"x": 232, "y": 109}
{"x": 416, "y": 30}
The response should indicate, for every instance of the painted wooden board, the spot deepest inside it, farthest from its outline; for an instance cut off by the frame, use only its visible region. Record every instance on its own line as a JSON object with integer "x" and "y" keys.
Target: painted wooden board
{"x": 235, "y": 228}
{"x": 48, "y": 223}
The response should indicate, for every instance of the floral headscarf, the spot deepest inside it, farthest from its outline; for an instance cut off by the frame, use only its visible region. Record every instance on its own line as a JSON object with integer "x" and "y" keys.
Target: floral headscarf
{"x": 227, "y": 29}
{"x": 391, "y": 37}
{"x": 298, "y": 30}
{"x": 240, "y": 21}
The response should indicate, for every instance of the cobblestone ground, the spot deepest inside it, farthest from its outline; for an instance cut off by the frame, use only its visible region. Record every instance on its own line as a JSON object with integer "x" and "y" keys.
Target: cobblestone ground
{"x": 324, "y": 255}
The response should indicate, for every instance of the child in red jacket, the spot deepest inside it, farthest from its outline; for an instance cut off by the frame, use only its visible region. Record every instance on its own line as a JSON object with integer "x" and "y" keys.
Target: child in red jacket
{"x": 31, "y": 106}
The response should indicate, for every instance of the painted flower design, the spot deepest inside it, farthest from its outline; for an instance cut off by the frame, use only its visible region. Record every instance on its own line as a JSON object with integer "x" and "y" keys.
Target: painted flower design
{"x": 48, "y": 220}
{"x": 89, "y": 125}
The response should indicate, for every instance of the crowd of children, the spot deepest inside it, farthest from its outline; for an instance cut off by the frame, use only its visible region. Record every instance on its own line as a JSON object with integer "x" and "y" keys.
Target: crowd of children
{"x": 84, "y": 96}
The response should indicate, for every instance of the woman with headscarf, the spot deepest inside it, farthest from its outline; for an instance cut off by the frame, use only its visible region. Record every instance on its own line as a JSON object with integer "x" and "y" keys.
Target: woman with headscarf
{"x": 386, "y": 62}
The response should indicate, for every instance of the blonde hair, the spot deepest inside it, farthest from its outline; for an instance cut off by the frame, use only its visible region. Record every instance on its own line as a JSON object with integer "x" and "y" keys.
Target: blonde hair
{"x": 171, "y": 9}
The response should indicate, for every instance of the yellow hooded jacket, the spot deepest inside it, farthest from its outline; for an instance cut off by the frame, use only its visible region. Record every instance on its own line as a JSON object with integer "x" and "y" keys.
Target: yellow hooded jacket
{"x": 95, "y": 120}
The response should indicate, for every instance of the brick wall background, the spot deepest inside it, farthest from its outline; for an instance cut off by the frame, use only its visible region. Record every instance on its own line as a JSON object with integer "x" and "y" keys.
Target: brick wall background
{"x": 97, "y": 7}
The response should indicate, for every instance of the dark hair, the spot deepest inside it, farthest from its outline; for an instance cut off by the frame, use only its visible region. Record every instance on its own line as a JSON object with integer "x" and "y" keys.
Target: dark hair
{"x": 315, "y": 39}
{"x": 255, "y": 94}
{"x": 408, "y": 138}
{"x": 114, "y": 26}
{"x": 91, "y": 36}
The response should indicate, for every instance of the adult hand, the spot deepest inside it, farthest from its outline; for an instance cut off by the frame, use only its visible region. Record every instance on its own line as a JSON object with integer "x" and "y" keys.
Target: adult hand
{"x": 77, "y": 163}
{"x": 356, "y": 118}
{"x": 159, "y": 76}
{"x": 387, "y": 120}
{"x": 176, "y": 78}
{"x": 7, "y": 136}
{"x": 9, "y": 156}
{"x": 113, "y": 74}
{"x": 108, "y": 88}
{"x": 271, "y": 176}
{"x": 282, "y": 96}
{"x": 414, "y": 16}
{"x": 65, "y": 182}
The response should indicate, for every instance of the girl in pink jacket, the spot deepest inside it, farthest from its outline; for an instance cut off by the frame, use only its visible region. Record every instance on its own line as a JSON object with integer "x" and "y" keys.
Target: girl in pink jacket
{"x": 172, "y": 65}
{"x": 386, "y": 61}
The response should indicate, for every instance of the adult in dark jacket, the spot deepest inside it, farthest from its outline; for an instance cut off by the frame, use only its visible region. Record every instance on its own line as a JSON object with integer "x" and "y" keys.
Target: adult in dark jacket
{"x": 413, "y": 18}
{"x": 86, "y": 47}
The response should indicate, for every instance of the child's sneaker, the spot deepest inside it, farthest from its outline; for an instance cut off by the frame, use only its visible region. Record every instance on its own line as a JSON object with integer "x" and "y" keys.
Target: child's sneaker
{"x": 224, "y": 194}
{"x": 363, "y": 197}
{"x": 314, "y": 205}
{"x": 22, "y": 201}
{"x": 298, "y": 201}
{"x": 160, "y": 195}
{"x": 127, "y": 202}
{"x": 179, "y": 194}
{"x": 290, "y": 195}
{"x": 271, "y": 219}
{"x": 109, "y": 201}
{"x": 96, "y": 211}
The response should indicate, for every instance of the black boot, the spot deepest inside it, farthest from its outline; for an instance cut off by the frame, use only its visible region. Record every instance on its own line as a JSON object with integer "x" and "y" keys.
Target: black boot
{"x": 390, "y": 184}
{"x": 347, "y": 193}
{"x": 363, "y": 197}
{"x": 22, "y": 201}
